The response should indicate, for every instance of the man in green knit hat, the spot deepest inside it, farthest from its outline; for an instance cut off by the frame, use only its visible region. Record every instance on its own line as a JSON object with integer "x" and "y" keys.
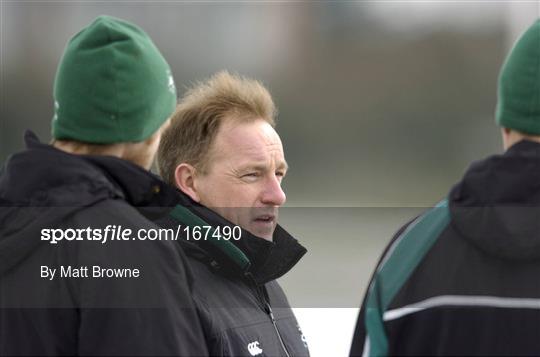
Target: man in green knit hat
{"x": 113, "y": 93}
{"x": 79, "y": 271}
{"x": 518, "y": 108}
{"x": 462, "y": 278}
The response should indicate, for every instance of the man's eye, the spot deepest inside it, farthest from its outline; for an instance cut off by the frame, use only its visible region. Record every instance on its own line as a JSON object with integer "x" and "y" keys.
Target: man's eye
{"x": 280, "y": 174}
{"x": 251, "y": 175}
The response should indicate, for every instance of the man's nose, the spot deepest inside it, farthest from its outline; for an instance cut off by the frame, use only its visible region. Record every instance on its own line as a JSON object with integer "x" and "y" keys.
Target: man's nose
{"x": 273, "y": 193}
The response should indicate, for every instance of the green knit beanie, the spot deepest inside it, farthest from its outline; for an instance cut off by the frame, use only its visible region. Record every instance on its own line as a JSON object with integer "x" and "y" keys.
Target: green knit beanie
{"x": 112, "y": 85}
{"x": 518, "y": 104}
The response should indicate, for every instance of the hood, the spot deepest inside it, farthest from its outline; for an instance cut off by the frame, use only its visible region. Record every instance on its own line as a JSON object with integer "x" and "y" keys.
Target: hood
{"x": 496, "y": 206}
{"x": 41, "y": 186}
{"x": 44, "y": 176}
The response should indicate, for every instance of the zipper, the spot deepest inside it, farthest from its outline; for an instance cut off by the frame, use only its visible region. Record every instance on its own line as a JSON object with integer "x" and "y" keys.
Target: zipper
{"x": 268, "y": 309}
{"x": 269, "y": 312}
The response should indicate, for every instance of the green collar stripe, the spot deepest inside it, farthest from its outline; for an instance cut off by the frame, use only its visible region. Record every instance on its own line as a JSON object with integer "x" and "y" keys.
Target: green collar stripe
{"x": 188, "y": 218}
{"x": 400, "y": 262}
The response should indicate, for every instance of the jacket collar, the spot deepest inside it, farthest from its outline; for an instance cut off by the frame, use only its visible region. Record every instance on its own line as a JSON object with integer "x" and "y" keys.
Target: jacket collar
{"x": 249, "y": 256}
{"x": 497, "y": 203}
{"x": 524, "y": 148}
{"x": 51, "y": 169}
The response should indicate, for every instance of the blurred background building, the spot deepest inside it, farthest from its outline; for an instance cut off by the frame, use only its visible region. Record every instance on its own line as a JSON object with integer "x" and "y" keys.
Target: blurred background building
{"x": 383, "y": 105}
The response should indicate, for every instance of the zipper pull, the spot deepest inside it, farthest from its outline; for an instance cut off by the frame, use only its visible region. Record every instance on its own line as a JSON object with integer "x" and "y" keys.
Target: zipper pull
{"x": 269, "y": 312}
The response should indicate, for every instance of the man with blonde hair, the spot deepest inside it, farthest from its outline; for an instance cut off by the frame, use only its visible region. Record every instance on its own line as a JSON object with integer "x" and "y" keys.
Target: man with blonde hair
{"x": 222, "y": 152}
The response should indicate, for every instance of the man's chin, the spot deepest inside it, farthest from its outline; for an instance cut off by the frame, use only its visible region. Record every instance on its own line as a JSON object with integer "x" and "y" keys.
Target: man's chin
{"x": 262, "y": 230}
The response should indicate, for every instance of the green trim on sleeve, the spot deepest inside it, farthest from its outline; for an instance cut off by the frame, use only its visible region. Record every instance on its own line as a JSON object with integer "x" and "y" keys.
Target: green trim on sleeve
{"x": 397, "y": 266}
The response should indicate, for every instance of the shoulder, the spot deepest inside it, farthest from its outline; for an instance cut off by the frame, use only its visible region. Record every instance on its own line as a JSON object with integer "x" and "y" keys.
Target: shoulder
{"x": 414, "y": 239}
{"x": 115, "y": 232}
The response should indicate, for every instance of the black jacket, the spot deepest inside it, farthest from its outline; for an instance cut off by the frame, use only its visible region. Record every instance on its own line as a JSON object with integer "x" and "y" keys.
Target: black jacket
{"x": 45, "y": 188}
{"x": 243, "y": 310}
{"x": 463, "y": 278}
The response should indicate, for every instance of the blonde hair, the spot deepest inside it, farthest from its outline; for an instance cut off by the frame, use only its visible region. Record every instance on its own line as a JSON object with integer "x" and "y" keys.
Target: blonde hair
{"x": 199, "y": 114}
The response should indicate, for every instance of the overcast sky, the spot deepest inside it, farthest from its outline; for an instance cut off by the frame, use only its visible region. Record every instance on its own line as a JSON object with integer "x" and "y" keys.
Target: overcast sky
{"x": 421, "y": 16}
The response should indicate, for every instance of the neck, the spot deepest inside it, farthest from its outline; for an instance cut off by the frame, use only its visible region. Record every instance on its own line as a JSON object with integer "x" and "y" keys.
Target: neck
{"x": 78, "y": 148}
{"x": 513, "y": 137}
{"x": 139, "y": 153}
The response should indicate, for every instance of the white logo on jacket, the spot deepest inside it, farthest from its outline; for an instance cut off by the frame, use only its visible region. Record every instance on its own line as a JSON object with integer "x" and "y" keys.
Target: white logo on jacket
{"x": 302, "y": 337}
{"x": 254, "y": 348}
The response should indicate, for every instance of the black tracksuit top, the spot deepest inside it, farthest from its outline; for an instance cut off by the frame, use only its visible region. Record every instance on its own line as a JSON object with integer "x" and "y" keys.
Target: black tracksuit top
{"x": 153, "y": 315}
{"x": 464, "y": 277}
{"x": 243, "y": 310}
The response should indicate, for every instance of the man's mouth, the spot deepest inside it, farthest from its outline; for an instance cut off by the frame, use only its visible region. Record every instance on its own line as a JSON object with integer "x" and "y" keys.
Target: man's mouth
{"x": 265, "y": 219}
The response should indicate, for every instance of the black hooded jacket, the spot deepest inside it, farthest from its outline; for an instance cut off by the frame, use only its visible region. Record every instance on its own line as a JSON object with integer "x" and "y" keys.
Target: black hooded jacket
{"x": 78, "y": 311}
{"x": 463, "y": 278}
{"x": 243, "y": 310}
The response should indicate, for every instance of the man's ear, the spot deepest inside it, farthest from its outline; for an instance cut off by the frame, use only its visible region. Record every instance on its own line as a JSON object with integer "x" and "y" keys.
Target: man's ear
{"x": 184, "y": 178}
{"x": 507, "y": 137}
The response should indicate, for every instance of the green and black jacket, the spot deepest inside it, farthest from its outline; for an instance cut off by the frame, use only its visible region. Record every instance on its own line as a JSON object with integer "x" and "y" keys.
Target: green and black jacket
{"x": 152, "y": 315}
{"x": 243, "y": 310}
{"x": 464, "y": 277}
